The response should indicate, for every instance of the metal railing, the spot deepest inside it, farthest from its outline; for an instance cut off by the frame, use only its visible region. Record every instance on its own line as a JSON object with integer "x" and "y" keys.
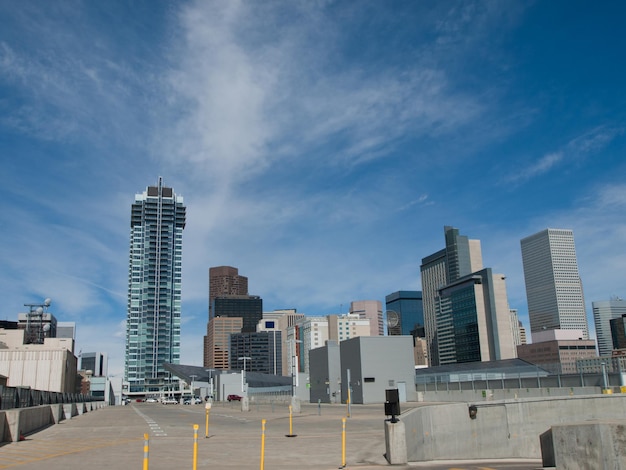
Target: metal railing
{"x": 24, "y": 397}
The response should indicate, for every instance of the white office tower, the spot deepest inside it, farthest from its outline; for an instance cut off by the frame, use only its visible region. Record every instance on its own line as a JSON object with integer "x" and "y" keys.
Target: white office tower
{"x": 553, "y": 287}
{"x": 96, "y": 362}
{"x": 603, "y": 312}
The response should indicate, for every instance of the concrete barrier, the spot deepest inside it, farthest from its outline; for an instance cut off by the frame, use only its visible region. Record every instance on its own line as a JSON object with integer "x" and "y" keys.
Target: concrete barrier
{"x": 70, "y": 410}
{"x": 22, "y": 421}
{"x": 395, "y": 443}
{"x": 500, "y": 429}
{"x": 18, "y": 422}
{"x": 599, "y": 445}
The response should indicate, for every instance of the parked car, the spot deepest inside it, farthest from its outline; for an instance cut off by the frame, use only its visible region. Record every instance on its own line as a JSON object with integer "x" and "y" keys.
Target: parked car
{"x": 234, "y": 397}
{"x": 170, "y": 401}
{"x": 151, "y": 400}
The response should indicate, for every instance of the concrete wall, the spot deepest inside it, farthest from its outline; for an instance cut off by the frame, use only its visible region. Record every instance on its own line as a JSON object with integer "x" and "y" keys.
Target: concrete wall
{"x": 39, "y": 368}
{"x": 22, "y": 421}
{"x": 501, "y": 429}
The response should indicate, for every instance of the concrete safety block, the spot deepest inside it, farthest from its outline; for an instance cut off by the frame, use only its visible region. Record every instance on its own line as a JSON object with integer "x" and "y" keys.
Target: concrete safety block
{"x": 395, "y": 443}
{"x": 589, "y": 445}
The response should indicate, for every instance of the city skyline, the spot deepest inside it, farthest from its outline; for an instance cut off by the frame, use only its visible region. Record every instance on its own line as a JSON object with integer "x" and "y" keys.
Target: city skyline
{"x": 320, "y": 147}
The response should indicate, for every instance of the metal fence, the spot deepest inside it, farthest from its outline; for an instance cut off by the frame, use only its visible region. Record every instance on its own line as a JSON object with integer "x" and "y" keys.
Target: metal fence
{"x": 24, "y": 397}
{"x": 441, "y": 383}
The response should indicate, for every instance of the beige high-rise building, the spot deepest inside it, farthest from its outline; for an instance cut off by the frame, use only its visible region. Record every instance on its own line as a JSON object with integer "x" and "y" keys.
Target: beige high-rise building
{"x": 218, "y": 341}
{"x": 342, "y": 327}
{"x": 371, "y": 310}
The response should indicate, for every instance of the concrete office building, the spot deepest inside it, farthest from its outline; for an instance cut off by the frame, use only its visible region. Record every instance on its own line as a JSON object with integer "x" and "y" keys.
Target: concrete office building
{"x": 553, "y": 287}
{"x": 50, "y": 366}
{"x": 154, "y": 290}
{"x": 460, "y": 257}
{"x": 474, "y": 320}
{"x": 519, "y": 335}
{"x": 37, "y": 326}
{"x": 307, "y": 334}
{"x": 405, "y": 313}
{"x": 371, "y": 310}
{"x": 342, "y": 327}
{"x": 66, "y": 329}
{"x": 262, "y": 350}
{"x": 558, "y": 350}
{"x": 223, "y": 281}
{"x": 603, "y": 312}
{"x": 281, "y": 320}
{"x": 96, "y": 362}
{"x": 218, "y": 345}
{"x": 522, "y": 334}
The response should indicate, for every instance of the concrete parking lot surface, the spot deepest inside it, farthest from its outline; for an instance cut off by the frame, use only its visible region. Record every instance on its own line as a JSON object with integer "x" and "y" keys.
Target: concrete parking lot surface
{"x": 113, "y": 438}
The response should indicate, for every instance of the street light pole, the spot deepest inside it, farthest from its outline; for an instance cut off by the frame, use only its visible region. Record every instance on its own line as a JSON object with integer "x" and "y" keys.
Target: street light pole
{"x": 192, "y": 376}
{"x": 294, "y": 364}
{"x": 244, "y": 359}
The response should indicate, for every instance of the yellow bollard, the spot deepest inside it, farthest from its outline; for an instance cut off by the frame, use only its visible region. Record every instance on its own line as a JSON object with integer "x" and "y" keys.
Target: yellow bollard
{"x": 291, "y": 434}
{"x": 262, "y": 444}
{"x": 207, "y": 409}
{"x": 195, "y": 446}
{"x": 146, "y": 449}
{"x": 343, "y": 443}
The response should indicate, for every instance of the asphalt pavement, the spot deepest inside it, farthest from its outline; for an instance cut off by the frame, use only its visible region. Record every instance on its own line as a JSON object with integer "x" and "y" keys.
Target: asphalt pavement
{"x": 265, "y": 437}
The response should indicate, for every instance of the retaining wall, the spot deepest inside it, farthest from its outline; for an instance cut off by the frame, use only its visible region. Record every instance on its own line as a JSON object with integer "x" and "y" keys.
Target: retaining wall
{"x": 501, "y": 429}
{"x": 22, "y": 421}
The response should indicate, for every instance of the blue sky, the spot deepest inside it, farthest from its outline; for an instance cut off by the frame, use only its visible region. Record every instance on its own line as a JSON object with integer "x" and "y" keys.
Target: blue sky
{"x": 320, "y": 146}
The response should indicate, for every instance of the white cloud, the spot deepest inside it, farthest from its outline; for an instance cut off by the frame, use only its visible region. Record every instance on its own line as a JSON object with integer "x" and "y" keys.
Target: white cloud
{"x": 543, "y": 165}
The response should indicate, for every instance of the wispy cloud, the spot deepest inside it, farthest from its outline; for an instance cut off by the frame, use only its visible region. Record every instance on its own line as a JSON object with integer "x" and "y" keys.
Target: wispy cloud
{"x": 543, "y": 165}
{"x": 571, "y": 153}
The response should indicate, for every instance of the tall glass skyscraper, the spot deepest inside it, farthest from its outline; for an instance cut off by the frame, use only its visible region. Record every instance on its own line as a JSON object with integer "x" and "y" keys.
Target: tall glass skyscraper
{"x": 460, "y": 257}
{"x": 553, "y": 287}
{"x": 154, "y": 289}
{"x": 603, "y": 312}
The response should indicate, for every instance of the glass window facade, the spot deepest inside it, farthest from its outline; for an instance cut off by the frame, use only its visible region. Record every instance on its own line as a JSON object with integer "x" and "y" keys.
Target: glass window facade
{"x": 154, "y": 289}
{"x": 408, "y": 306}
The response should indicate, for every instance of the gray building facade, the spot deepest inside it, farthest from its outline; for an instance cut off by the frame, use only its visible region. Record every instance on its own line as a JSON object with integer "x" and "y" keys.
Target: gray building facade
{"x": 375, "y": 364}
{"x": 325, "y": 373}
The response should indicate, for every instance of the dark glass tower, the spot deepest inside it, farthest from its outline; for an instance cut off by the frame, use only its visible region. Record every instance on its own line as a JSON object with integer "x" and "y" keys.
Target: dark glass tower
{"x": 248, "y": 307}
{"x": 407, "y": 304}
{"x": 154, "y": 290}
